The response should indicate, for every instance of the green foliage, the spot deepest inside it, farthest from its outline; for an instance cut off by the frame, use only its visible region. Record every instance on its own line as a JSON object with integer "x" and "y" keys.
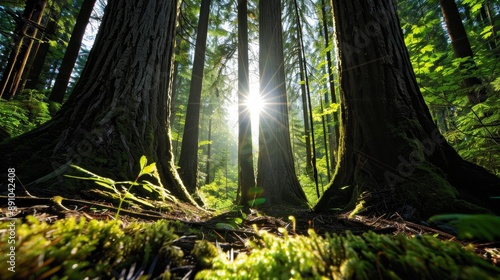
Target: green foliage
{"x": 369, "y": 256}
{"x": 74, "y": 249}
{"x": 475, "y": 133}
{"x": 122, "y": 191}
{"x": 482, "y": 227}
{"x": 220, "y": 193}
{"x": 25, "y": 111}
{"x": 473, "y": 130}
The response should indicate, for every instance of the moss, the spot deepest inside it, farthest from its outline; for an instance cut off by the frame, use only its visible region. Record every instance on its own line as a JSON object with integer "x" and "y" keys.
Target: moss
{"x": 370, "y": 256}
{"x": 74, "y": 249}
{"x": 427, "y": 192}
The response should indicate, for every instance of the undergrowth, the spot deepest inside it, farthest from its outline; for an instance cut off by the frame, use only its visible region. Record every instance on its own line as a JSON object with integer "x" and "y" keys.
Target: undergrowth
{"x": 82, "y": 249}
{"x": 71, "y": 249}
{"x": 24, "y": 112}
{"x": 369, "y": 256}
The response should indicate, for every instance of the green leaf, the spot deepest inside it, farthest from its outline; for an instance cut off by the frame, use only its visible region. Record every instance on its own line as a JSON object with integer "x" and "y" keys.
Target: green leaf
{"x": 143, "y": 162}
{"x": 105, "y": 185}
{"x": 224, "y": 226}
{"x": 237, "y": 221}
{"x": 257, "y": 201}
{"x": 149, "y": 169}
{"x": 136, "y": 199}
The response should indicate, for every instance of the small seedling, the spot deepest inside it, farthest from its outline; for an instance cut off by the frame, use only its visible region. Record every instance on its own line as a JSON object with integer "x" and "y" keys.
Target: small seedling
{"x": 122, "y": 188}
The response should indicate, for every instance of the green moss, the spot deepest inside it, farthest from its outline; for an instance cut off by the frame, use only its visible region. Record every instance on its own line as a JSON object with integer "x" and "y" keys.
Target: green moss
{"x": 79, "y": 248}
{"x": 427, "y": 192}
{"x": 370, "y": 256}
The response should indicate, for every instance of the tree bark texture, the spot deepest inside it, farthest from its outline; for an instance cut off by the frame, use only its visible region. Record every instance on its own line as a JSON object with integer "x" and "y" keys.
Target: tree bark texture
{"x": 392, "y": 157}
{"x": 246, "y": 176}
{"x": 462, "y": 49}
{"x": 119, "y": 109}
{"x": 71, "y": 54}
{"x": 188, "y": 159}
{"x": 276, "y": 172}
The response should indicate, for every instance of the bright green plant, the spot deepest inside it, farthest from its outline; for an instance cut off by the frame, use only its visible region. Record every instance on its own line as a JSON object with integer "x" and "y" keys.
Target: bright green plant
{"x": 25, "y": 111}
{"x": 123, "y": 188}
{"x": 78, "y": 248}
{"x": 369, "y": 256}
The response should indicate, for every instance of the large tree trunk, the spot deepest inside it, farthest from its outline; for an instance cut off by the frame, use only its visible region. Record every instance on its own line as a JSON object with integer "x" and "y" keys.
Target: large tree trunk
{"x": 462, "y": 49}
{"x": 71, "y": 54}
{"x": 276, "y": 172}
{"x": 392, "y": 156}
{"x": 246, "y": 176}
{"x": 119, "y": 109}
{"x": 188, "y": 159}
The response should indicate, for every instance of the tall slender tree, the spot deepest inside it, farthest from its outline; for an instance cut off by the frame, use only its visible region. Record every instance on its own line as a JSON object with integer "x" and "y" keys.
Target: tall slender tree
{"x": 118, "y": 111}
{"x": 304, "y": 75}
{"x": 26, "y": 32}
{"x": 246, "y": 176}
{"x": 462, "y": 49}
{"x": 276, "y": 172}
{"x": 188, "y": 159}
{"x": 392, "y": 157}
{"x": 71, "y": 54}
{"x": 334, "y": 133}
{"x": 42, "y": 50}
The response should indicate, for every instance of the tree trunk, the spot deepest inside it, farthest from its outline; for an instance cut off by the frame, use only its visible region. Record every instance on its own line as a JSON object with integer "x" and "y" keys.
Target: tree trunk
{"x": 334, "y": 132}
{"x": 325, "y": 141}
{"x": 19, "y": 56}
{"x": 276, "y": 172}
{"x": 462, "y": 49}
{"x": 305, "y": 77}
{"x": 71, "y": 54}
{"x": 305, "y": 115}
{"x": 392, "y": 156}
{"x": 246, "y": 176}
{"x": 209, "y": 151}
{"x": 188, "y": 160}
{"x": 119, "y": 110}
{"x": 43, "y": 49}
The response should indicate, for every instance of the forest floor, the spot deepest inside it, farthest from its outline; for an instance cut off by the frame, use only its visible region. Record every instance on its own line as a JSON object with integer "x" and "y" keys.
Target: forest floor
{"x": 231, "y": 230}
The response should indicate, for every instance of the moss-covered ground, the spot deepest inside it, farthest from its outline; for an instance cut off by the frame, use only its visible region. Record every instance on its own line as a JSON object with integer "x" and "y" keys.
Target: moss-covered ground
{"x": 71, "y": 239}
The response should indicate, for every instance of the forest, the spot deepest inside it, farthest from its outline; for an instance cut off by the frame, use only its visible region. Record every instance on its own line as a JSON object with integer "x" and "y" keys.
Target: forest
{"x": 240, "y": 139}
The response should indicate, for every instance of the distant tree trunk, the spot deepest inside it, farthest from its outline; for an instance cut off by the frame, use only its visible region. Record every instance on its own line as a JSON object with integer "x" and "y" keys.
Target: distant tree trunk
{"x": 462, "y": 49}
{"x": 486, "y": 17}
{"x": 325, "y": 140}
{"x": 305, "y": 115}
{"x": 392, "y": 156}
{"x": 305, "y": 77}
{"x": 209, "y": 151}
{"x": 188, "y": 160}
{"x": 25, "y": 35}
{"x": 491, "y": 19}
{"x": 71, "y": 54}
{"x": 333, "y": 135}
{"x": 246, "y": 176}
{"x": 119, "y": 110}
{"x": 276, "y": 172}
{"x": 43, "y": 49}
